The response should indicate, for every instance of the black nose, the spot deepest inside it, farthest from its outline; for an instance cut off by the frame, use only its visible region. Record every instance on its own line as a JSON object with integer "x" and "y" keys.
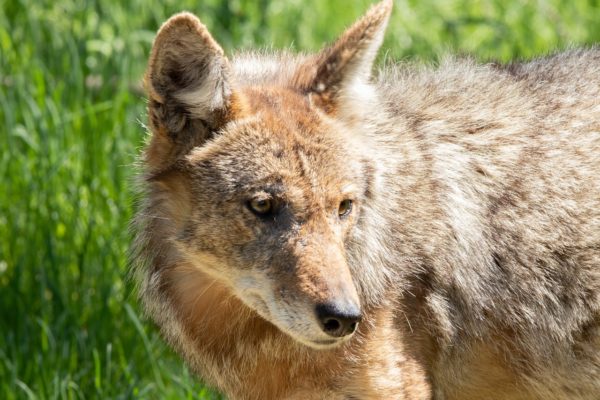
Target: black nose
{"x": 337, "y": 321}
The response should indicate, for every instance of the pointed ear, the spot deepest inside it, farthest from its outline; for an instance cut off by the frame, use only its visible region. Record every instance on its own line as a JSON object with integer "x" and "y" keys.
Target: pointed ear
{"x": 188, "y": 86}
{"x": 345, "y": 67}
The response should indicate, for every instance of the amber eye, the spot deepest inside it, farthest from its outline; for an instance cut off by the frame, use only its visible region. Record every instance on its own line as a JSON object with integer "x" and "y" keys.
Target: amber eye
{"x": 345, "y": 208}
{"x": 261, "y": 207}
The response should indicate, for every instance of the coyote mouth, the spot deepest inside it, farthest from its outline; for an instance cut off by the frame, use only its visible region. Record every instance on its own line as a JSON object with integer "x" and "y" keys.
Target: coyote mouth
{"x": 258, "y": 304}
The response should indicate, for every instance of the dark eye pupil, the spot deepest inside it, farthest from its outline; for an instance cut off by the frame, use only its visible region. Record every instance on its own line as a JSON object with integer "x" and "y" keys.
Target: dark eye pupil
{"x": 345, "y": 208}
{"x": 262, "y": 206}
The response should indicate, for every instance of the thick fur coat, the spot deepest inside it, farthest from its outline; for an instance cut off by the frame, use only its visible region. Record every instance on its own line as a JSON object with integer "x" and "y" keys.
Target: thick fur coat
{"x": 451, "y": 213}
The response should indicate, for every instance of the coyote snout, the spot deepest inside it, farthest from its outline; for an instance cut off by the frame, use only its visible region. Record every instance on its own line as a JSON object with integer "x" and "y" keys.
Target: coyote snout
{"x": 307, "y": 289}
{"x": 337, "y": 308}
{"x": 324, "y": 277}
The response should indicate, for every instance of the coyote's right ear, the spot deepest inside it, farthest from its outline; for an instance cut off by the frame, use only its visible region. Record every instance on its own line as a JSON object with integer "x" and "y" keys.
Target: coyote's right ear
{"x": 188, "y": 84}
{"x": 339, "y": 72}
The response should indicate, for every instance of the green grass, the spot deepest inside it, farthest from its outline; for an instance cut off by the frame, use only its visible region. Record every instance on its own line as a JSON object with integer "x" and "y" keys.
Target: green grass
{"x": 71, "y": 118}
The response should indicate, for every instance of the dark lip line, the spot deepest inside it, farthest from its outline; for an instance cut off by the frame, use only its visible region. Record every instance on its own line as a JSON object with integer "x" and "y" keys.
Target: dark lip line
{"x": 331, "y": 341}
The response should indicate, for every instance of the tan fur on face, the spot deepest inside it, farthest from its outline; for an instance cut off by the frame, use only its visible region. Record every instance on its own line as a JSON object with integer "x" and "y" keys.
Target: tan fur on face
{"x": 473, "y": 248}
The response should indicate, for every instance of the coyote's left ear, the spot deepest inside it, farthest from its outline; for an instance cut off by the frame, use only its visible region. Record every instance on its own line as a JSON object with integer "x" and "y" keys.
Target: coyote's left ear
{"x": 342, "y": 69}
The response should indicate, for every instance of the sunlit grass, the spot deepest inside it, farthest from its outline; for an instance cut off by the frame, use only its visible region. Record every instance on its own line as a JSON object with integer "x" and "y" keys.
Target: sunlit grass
{"x": 70, "y": 127}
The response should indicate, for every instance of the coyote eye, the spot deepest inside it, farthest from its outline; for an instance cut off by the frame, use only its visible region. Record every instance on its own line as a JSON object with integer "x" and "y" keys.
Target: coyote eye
{"x": 260, "y": 207}
{"x": 345, "y": 208}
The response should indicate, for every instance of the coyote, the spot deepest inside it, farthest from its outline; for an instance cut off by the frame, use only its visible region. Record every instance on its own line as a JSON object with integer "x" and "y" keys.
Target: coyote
{"x": 310, "y": 230}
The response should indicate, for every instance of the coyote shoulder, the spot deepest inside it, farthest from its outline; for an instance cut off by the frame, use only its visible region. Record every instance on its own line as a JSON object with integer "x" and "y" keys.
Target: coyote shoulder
{"x": 310, "y": 230}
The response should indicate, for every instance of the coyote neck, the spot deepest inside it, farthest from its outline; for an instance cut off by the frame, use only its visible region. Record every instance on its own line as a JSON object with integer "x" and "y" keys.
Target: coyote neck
{"x": 247, "y": 357}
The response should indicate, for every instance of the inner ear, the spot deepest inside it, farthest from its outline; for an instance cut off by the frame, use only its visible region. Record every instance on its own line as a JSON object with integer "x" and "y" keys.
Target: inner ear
{"x": 188, "y": 83}
{"x": 347, "y": 63}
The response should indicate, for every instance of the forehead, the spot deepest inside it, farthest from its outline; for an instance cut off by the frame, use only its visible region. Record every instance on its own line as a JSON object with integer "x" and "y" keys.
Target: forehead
{"x": 282, "y": 138}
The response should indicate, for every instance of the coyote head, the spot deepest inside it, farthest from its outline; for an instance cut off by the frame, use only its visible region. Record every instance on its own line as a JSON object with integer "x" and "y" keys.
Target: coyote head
{"x": 259, "y": 174}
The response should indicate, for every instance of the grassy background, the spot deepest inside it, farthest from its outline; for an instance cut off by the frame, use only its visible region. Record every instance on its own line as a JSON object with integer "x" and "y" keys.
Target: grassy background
{"x": 70, "y": 127}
